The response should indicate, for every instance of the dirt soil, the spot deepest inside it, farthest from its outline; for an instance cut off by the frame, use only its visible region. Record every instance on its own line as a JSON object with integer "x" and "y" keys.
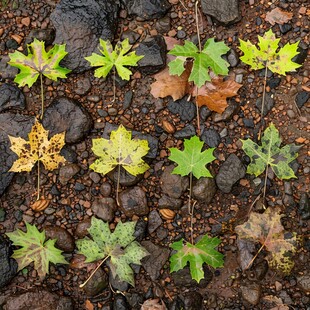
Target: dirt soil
{"x": 146, "y": 115}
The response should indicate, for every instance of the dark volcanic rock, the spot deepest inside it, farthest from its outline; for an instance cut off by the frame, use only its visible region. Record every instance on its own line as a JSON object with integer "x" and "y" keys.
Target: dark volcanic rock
{"x": 186, "y": 132}
{"x": 154, "y": 50}
{"x": 38, "y": 299}
{"x": 147, "y": 9}
{"x": 251, "y": 293}
{"x": 211, "y": 137}
{"x": 6, "y": 70}
{"x": 80, "y": 24}
{"x": 225, "y": 11}
{"x": 65, "y": 241}
{"x": 204, "y": 190}
{"x": 46, "y": 35}
{"x": 11, "y": 97}
{"x": 193, "y": 300}
{"x": 97, "y": 284}
{"x": 167, "y": 202}
{"x": 17, "y": 126}
{"x": 120, "y": 302}
{"x": 8, "y": 266}
{"x": 125, "y": 178}
{"x": 186, "y": 109}
{"x": 269, "y": 103}
{"x": 154, "y": 221}
{"x": 301, "y": 98}
{"x": 156, "y": 260}
{"x": 67, "y": 172}
{"x": 67, "y": 115}
{"x": 133, "y": 202}
{"x": 230, "y": 172}
{"x": 104, "y": 208}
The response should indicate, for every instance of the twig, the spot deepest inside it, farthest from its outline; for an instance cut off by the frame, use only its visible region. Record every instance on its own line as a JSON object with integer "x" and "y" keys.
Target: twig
{"x": 263, "y": 103}
{"x": 117, "y": 184}
{"x": 38, "y": 182}
{"x": 42, "y": 96}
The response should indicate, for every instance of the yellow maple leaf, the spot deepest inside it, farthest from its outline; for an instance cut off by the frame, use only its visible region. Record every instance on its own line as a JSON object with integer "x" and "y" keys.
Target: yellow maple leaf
{"x": 38, "y": 148}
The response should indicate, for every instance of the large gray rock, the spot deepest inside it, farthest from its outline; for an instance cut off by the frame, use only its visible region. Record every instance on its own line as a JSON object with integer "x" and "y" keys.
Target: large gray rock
{"x": 8, "y": 266}
{"x": 65, "y": 114}
{"x": 17, "y": 126}
{"x": 147, "y": 9}
{"x": 225, "y": 11}
{"x": 11, "y": 97}
{"x": 79, "y": 24}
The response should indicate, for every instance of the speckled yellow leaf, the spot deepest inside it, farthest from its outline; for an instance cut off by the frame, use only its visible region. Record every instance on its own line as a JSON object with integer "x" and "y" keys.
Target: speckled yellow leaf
{"x": 38, "y": 148}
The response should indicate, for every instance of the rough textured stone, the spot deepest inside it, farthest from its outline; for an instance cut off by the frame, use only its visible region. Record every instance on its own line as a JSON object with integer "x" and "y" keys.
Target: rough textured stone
{"x": 67, "y": 172}
{"x": 38, "y": 299}
{"x": 11, "y": 97}
{"x": 225, "y": 11}
{"x": 8, "y": 266}
{"x": 156, "y": 260}
{"x": 167, "y": 202}
{"x": 104, "y": 208}
{"x": 154, "y": 50}
{"x": 82, "y": 228}
{"x": 65, "y": 241}
{"x": 125, "y": 178}
{"x": 186, "y": 109}
{"x": 147, "y": 9}
{"x": 6, "y": 70}
{"x": 251, "y": 293}
{"x": 204, "y": 190}
{"x": 301, "y": 98}
{"x": 17, "y": 126}
{"x": 173, "y": 184}
{"x": 193, "y": 300}
{"x": 230, "y": 172}
{"x": 186, "y": 132}
{"x": 67, "y": 115}
{"x": 80, "y": 24}
{"x": 97, "y": 284}
{"x": 133, "y": 202}
{"x": 46, "y": 35}
{"x": 269, "y": 103}
{"x": 154, "y": 221}
{"x": 211, "y": 137}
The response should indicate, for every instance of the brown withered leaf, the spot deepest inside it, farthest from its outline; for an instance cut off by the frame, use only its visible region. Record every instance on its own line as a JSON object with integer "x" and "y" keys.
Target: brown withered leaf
{"x": 278, "y": 16}
{"x": 153, "y": 304}
{"x": 214, "y": 94}
{"x": 171, "y": 85}
{"x": 40, "y": 204}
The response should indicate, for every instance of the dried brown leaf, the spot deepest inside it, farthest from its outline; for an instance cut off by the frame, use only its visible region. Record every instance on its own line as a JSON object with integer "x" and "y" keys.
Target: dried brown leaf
{"x": 153, "y": 304}
{"x": 278, "y": 16}
{"x": 214, "y": 94}
{"x": 89, "y": 305}
{"x": 40, "y": 205}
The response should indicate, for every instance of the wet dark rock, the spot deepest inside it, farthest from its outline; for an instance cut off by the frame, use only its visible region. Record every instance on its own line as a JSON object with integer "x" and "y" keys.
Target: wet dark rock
{"x": 6, "y": 70}
{"x": 173, "y": 184}
{"x": 301, "y": 98}
{"x": 181, "y": 34}
{"x": 225, "y": 11}
{"x": 140, "y": 230}
{"x": 163, "y": 25}
{"x": 285, "y": 28}
{"x": 135, "y": 300}
{"x": 269, "y": 103}
{"x": 120, "y": 302}
{"x": 233, "y": 58}
{"x": 8, "y": 266}
{"x": 193, "y": 300}
{"x": 125, "y": 178}
{"x": 133, "y": 202}
{"x": 167, "y": 202}
{"x": 152, "y": 141}
{"x": 2, "y": 215}
{"x": 230, "y": 111}
{"x": 211, "y": 137}
{"x": 104, "y": 208}
{"x": 204, "y": 190}
{"x": 274, "y": 82}
{"x": 154, "y": 221}
{"x": 204, "y": 113}
{"x": 156, "y": 260}
{"x": 119, "y": 82}
{"x": 97, "y": 284}
{"x": 154, "y": 50}
{"x": 83, "y": 86}
{"x": 11, "y": 44}
{"x": 304, "y": 282}
{"x": 304, "y": 206}
{"x": 105, "y": 189}
{"x": 17, "y": 126}
{"x": 131, "y": 35}
{"x": 251, "y": 293}
{"x": 67, "y": 172}
{"x": 248, "y": 122}
{"x": 186, "y": 132}
{"x": 303, "y": 52}
{"x": 65, "y": 114}
{"x": 46, "y": 35}
{"x": 95, "y": 177}
{"x": 245, "y": 255}
{"x": 65, "y": 241}
{"x": 183, "y": 278}
{"x": 147, "y": 9}
{"x": 127, "y": 99}
{"x": 260, "y": 270}
{"x": 177, "y": 304}
{"x": 38, "y": 299}
{"x": 186, "y": 109}
{"x": 161, "y": 233}
{"x": 80, "y": 24}
{"x": 11, "y": 97}
{"x": 82, "y": 228}
{"x": 230, "y": 172}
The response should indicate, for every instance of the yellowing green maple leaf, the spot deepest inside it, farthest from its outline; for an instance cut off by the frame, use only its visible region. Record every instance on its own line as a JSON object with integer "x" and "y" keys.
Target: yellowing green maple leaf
{"x": 38, "y": 148}
{"x": 267, "y": 55}
{"x": 208, "y": 58}
{"x": 270, "y": 154}
{"x": 119, "y": 57}
{"x": 202, "y": 252}
{"x": 192, "y": 160}
{"x": 37, "y": 62}
{"x": 267, "y": 229}
{"x": 120, "y": 150}
{"x": 119, "y": 246}
{"x": 34, "y": 248}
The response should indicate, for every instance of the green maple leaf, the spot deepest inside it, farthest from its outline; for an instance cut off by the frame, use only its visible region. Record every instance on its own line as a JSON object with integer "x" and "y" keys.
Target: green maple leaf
{"x": 119, "y": 246}
{"x": 118, "y": 58}
{"x": 208, "y": 58}
{"x": 120, "y": 150}
{"x": 37, "y": 62}
{"x": 192, "y": 160}
{"x": 267, "y": 55}
{"x": 35, "y": 249}
{"x": 270, "y": 154}
{"x": 202, "y": 252}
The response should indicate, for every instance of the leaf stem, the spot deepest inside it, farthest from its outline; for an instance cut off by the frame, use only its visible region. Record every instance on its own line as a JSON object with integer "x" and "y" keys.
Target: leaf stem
{"x": 191, "y": 206}
{"x": 117, "y": 184}
{"x": 252, "y": 260}
{"x": 114, "y": 87}
{"x": 42, "y": 96}
{"x": 92, "y": 274}
{"x": 265, "y": 183}
{"x": 38, "y": 182}
{"x": 263, "y": 103}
